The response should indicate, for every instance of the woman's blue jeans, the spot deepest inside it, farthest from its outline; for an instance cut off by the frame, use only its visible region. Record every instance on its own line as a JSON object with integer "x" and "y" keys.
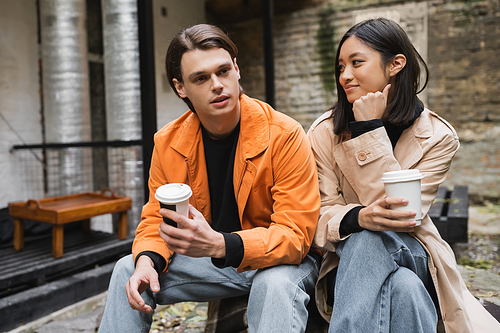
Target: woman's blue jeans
{"x": 382, "y": 285}
{"x": 278, "y": 295}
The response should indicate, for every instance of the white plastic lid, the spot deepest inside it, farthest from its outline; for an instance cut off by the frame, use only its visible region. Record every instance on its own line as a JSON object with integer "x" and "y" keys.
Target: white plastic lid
{"x": 173, "y": 193}
{"x": 401, "y": 176}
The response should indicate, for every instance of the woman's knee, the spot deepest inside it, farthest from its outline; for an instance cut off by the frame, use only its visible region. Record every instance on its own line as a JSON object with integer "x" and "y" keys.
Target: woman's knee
{"x": 408, "y": 292}
{"x": 365, "y": 238}
{"x": 361, "y": 242}
{"x": 405, "y": 284}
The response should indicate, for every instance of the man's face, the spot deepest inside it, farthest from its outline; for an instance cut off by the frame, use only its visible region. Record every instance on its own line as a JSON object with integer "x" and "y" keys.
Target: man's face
{"x": 210, "y": 81}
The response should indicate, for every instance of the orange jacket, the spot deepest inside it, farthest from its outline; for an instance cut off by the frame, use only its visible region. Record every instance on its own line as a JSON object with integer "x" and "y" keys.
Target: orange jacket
{"x": 275, "y": 184}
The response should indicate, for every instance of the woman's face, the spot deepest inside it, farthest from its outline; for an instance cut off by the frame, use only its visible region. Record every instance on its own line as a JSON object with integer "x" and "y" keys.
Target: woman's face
{"x": 361, "y": 69}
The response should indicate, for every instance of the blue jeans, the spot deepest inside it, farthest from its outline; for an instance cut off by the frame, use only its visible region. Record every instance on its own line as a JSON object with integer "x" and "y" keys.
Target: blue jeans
{"x": 278, "y": 295}
{"x": 382, "y": 285}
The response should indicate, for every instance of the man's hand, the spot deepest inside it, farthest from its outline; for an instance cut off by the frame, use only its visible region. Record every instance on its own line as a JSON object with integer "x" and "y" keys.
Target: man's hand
{"x": 144, "y": 276}
{"x": 193, "y": 237}
{"x": 379, "y": 217}
{"x": 371, "y": 106}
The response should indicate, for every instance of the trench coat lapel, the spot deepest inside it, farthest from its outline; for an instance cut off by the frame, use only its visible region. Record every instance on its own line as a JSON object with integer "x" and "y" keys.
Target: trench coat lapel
{"x": 408, "y": 151}
{"x": 340, "y": 157}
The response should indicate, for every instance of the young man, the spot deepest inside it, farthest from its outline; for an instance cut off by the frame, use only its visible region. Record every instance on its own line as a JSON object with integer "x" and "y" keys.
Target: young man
{"x": 254, "y": 207}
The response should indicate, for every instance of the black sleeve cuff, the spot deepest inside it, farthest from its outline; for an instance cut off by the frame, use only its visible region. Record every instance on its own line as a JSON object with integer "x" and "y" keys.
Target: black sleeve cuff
{"x": 350, "y": 223}
{"x": 159, "y": 262}
{"x": 316, "y": 257}
{"x": 361, "y": 127}
{"x": 234, "y": 251}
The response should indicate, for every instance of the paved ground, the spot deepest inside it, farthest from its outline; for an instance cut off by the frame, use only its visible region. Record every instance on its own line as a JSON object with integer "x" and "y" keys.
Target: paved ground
{"x": 479, "y": 259}
{"x": 484, "y": 219}
{"x": 479, "y": 264}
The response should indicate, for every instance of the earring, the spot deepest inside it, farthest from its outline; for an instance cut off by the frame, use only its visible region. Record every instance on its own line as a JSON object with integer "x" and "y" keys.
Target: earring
{"x": 239, "y": 77}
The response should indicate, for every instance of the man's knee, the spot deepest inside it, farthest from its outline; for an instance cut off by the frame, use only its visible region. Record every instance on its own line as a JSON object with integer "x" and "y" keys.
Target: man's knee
{"x": 271, "y": 278}
{"x": 124, "y": 268}
{"x": 284, "y": 277}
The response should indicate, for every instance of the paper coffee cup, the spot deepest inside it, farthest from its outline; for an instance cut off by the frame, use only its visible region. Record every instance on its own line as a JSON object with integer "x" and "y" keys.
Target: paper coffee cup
{"x": 174, "y": 196}
{"x": 405, "y": 184}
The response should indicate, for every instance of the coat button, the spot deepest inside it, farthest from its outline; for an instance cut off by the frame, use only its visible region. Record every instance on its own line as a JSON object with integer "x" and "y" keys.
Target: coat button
{"x": 362, "y": 156}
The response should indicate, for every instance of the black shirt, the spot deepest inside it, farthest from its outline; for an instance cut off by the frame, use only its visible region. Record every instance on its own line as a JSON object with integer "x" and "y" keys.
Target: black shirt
{"x": 219, "y": 158}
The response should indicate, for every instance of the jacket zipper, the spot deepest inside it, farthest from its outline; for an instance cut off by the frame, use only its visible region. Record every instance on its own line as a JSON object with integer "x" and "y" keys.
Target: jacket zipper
{"x": 189, "y": 180}
{"x": 241, "y": 180}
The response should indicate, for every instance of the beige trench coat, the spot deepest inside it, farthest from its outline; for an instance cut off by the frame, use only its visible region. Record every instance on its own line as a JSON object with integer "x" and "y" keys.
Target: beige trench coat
{"x": 349, "y": 176}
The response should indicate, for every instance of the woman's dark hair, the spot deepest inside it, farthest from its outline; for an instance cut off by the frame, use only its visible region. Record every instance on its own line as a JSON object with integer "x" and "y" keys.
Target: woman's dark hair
{"x": 199, "y": 37}
{"x": 389, "y": 39}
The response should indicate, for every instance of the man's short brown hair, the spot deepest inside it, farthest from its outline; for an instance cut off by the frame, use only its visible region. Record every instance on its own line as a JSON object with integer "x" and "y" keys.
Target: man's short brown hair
{"x": 199, "y": 37}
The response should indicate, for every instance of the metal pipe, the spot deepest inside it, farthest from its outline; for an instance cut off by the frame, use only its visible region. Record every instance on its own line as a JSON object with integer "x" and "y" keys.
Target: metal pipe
{"x": 123, "y": 98}
{"x": 121, "y": 69}
{"x": 66, "y": 88}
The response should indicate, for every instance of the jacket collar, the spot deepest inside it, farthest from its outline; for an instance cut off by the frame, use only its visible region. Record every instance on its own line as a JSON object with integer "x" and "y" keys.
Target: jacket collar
{"x": 254, "y": 132}
{"x": 189, "y": 133}
{"x": 423, "y": 125}
{"x": 408, "y": 150}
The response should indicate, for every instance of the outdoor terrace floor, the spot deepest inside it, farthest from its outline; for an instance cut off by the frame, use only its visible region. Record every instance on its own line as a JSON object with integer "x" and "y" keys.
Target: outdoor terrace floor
{"x": 33, "y": 283}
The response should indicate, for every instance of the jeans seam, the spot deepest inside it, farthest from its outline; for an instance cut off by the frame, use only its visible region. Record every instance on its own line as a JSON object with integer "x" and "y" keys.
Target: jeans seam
{"x": 214, "y": 281}
{"x": 293, "y": 309}
{"x": 414, "y": 255}
{"x": 300, "y": 281}
{"x": 383, "y": 295}
{"x": 146, "y": 325}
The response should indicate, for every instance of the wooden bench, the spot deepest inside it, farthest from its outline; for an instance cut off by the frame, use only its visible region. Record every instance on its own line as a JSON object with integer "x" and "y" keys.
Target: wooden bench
{"x": 65, "y": 209}
{"x": 450, "y": 213}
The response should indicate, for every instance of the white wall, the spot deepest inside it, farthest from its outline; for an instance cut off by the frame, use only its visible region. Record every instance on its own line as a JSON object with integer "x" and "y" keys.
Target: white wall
{"x": 19, "y": 84}
{"x": 179, "y": 14}
{"x": 19, "y": 97}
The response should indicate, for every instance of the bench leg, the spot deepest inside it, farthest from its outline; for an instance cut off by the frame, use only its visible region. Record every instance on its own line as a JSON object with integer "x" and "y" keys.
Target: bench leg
{"x": 86, "y": 226}
{"x": 57, "y": 241}
{"x": 122, "y": 225}
{"x": 18, "y": 234}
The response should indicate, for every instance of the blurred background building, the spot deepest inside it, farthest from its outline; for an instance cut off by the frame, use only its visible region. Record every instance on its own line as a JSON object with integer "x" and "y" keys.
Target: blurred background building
{"x": 83, "y": 90}
{"x": 70, "y": 82}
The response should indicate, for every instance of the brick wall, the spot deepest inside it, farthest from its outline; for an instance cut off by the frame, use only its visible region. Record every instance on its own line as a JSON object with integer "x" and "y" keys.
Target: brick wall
{"x": 459, "y": 39}
{"x": 464, "y": 53}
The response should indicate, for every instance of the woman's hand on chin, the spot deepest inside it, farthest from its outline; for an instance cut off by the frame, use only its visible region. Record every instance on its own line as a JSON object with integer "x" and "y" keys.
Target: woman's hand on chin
{"x": 371, "y": 106}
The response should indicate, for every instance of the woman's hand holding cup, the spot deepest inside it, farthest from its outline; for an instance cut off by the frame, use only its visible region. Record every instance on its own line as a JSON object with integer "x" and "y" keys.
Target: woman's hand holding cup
{"x": 380, "y": 217}
{"x": 401, "y": 210}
